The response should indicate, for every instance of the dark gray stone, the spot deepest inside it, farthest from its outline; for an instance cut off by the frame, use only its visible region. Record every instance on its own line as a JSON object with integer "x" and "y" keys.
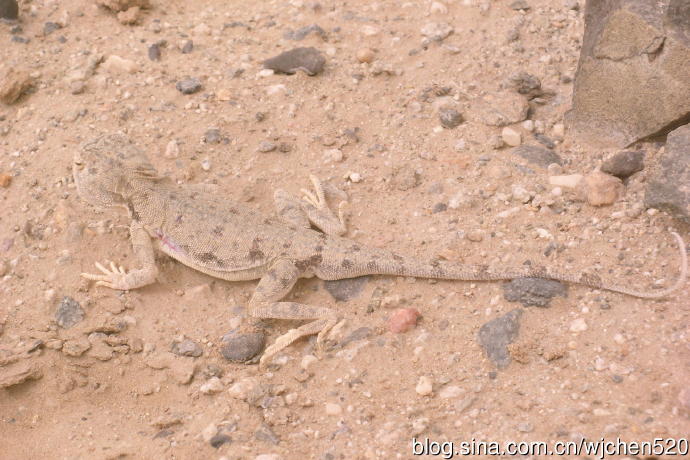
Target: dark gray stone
{"x": 241, "y": 348}
{"x": 188, "y": 47}
{"x": 632, "y": 80}
{"x": 212, "y": 136}
{"x": 450, "y": 118}
{"x": 9, "y": 9}
{"x": 218, "y": 440}
{"x": 537, "y": 155}
{"x": 266, "y": 434}
{"x": 155, "y": 52}
{"x": 526, "y": 83}
{"x": 669, "y": 189}
{"x": 309, "y": 60}
{"x": 68, "y": 313}
{"x": 355, "y": 336}
{"x": 346, "y": 289}
{"x": 545, "y": 141}
{"x": 533, "y": 291}
{"x": 187, "y": 348}
{"x": 50, "y": 27}
{"x": 624, "y": 164}
{"x": 497, "y": 334}
{"x": 188, "y": 85}
{"x": 302, "y": 32}
{"x": 439, "y": 207}
{"x": 519, "y": 5}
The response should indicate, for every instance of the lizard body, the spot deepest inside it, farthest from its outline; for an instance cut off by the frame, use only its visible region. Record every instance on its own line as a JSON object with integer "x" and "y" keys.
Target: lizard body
{"x": 232, "y": 241}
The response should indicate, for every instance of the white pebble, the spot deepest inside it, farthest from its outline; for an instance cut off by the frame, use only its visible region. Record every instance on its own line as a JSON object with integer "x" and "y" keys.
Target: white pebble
{"x": 172, "y": 150}
{"x": 511, "y": 137}
{"x": 424, "y": 386}
{"x": 209, "y": 432}
{"x": 333, "y": 155}
{"x": 578, "y": 325}
{"x": 451, "y": 391}
{"x": 528, "y": 125}
{"x": 355, "y": 177}
{"x": 307, "y": 361}
{"x": 568, "y": 181}
{"x": 369, "y": 31}
{"x": 214, "y": 385}
{"x": 438, "y": 7}
{"x": 333, "y": 409}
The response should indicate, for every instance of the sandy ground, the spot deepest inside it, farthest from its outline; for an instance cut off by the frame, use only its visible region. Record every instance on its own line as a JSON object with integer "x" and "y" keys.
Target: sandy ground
{"x": 595, "y": 364}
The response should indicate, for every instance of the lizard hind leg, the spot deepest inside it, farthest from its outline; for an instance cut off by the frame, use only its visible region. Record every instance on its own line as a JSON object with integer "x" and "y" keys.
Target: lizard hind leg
{"x": 265, "y": 304}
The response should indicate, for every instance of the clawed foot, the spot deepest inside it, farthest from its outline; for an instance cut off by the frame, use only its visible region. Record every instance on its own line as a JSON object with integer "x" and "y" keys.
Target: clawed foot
{"x": 317, "y": 199}
{"x": 323, "y": 326}
{"x": 113, "y": 278}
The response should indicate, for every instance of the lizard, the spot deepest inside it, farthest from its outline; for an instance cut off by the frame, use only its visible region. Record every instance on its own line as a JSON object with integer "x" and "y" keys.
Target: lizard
{"x": 232, "y": 241}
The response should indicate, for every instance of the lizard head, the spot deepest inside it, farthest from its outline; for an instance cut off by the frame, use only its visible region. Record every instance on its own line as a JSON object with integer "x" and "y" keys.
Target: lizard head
{"x": 105, "y": 168}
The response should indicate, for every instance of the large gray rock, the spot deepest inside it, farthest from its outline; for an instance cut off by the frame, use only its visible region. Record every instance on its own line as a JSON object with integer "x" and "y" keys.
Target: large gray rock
{"x": 633, "y": 79}
{"x": 670, "y": 188}
{"x": 495, "y": 336}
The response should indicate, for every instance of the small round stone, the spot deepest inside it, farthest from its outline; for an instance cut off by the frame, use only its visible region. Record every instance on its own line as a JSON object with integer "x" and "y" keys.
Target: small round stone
{"x": 450, "y": 118}
{"x": 242, "y": 347}
{"x": 402, "y": 320}
{"x": 424, "y": 386}
{"x": 365, "y": 55}
{"x": 578, "y": 325}
{"x": 188, "y": 86}
{"x": 511, "y": 137}
{"x": 333, "y": 409}
{"x": 266, "y": 146}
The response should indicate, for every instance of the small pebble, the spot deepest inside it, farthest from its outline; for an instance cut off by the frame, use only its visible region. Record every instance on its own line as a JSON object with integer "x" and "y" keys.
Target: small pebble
{"x": 333, "y": 409}
{"x": 365, "y": 55}
{"x": 187, "y": 47}
{"x": 212, "y": 386}
{"x": 155, "y": 52}
{"x": 424, "y": 386}
{"x": 567, "y": 181}
{"x": 511, "y": 137}
{"x": 188, "y": 85}
{"x": 307, "y": 361}
{"x": 115, "y": 64}
{"x": 172, "y": 149}
{"x": 450, "y": 118}
{"x": 5, "y": 180}
{"x": 475, "y": 235}
{"x": 601, "y": 189}
{"x": 266, "y": 146}
{"x": 578, "y": 325}
{"x": 403, "y": 320}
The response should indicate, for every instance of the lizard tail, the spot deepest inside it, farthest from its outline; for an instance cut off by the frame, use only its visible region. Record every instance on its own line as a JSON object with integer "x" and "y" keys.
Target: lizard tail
{"x": 390, "y": 264}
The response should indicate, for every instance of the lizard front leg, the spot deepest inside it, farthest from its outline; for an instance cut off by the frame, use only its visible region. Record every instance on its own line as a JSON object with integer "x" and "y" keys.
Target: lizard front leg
{"x": 264, "y": 304}
{"x": 117, "y": 277}
{"x": 312, "y": 208}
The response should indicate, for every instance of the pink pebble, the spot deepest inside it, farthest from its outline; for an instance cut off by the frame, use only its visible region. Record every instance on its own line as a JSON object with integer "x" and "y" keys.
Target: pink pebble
{"x": 403, "y": 319}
